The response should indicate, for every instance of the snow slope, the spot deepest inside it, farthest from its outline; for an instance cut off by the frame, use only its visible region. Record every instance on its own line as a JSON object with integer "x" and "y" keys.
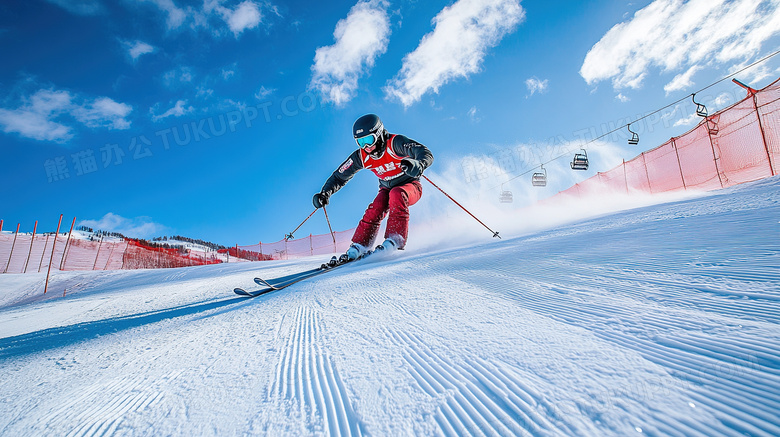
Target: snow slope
{"x": 661, "y": 320}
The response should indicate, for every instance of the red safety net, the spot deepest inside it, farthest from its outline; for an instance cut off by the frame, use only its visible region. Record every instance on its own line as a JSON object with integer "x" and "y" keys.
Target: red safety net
{"x": 312, "y": 245}
{"x": 141, "y": 256}
{"x": 735, "y": 145}
{"x": 24, "y": 254}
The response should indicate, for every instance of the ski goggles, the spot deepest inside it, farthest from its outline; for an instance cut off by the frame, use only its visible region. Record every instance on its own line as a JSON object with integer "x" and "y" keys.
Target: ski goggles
{"x": 367, "y": 140}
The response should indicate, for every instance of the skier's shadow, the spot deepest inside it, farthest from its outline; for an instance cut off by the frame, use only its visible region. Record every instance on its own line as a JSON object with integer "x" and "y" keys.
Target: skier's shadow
{"x": 68, "y": 335}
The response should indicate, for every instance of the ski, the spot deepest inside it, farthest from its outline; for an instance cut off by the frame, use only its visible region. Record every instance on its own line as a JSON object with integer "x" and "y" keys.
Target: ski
{"x": 286, "y": 281}
{"x": 245, "y": 293}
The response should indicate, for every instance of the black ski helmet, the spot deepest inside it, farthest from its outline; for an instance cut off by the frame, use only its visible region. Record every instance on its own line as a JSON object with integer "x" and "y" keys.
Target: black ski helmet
{"x": 367, "y": 124}
{"x": 368, "y": 130}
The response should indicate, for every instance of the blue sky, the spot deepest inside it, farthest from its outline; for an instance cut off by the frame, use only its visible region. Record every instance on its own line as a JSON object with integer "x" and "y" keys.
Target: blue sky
{"x": 219, "y": 119}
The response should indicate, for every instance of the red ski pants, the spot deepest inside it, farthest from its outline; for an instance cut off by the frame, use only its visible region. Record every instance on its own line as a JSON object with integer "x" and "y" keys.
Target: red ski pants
{"x": 395, "y": 201}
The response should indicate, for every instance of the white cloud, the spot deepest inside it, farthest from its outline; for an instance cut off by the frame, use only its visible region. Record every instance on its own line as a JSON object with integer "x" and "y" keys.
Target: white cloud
{"x": 462, "y": 34}
{"x": 203, "y": 91}
{"x": 136, "y": 49}
{"x": 40, "y": 116}
{"x": 672, "y": 35}
{"x": 213, "y": 15}
{"x": 174, "y": 78}
{"x": 473, "y": 115}
{"x": 175, "y": 15}
{"x": 139, "y": 227}
{"x": 246, "y": 16}
{"x": 360, "y": 38}
{"x": 621, "y": 98}
{"x": 34, "y": 119}
{"x": 103, "y": 112}
{"x": 178, "y": 110}
{"x": 687, "y": 121}
{"x": 759, "y": 73}
{"x": 681, "y": 81}
{"x": 80, "y": 7}
{"x": 227, "y": 74}
{"x": 723, "y": 100}
{"x": 264, "y": 92}
{"x": 535, "y": 85}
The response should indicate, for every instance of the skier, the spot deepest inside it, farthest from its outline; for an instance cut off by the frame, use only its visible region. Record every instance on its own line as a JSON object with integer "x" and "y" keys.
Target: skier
{"x": 398, "y": 162}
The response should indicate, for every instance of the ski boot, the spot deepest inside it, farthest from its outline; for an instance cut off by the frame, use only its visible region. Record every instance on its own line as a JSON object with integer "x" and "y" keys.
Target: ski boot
{"x": 388, "y": 245}
{"x": 354, "y": 252}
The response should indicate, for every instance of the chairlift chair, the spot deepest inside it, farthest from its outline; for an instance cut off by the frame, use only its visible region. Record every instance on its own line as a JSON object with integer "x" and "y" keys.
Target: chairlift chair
{"x": 701, "y": 110}
{"x": 580, "y": 161}
{"x": 505, "y": 197}
{"x": 634, "y": 140}
{"x": 539, "y": 179}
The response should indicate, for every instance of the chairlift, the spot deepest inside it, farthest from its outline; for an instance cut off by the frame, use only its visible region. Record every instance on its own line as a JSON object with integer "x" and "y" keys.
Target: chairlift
{"x": 634, "y": 140}
{"x": 580, "y": 161}
{"x": 506, "y": 196}
{"x": 701, "y": 110}
{"x": 539, "y": 179}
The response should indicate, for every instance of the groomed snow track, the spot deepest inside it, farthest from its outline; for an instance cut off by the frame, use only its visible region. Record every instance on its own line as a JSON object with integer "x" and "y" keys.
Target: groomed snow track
{"x": 662, "y": 320}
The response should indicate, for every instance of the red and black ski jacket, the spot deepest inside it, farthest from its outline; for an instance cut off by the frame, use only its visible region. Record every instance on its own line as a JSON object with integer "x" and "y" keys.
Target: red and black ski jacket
{"x": 386, "y": 166}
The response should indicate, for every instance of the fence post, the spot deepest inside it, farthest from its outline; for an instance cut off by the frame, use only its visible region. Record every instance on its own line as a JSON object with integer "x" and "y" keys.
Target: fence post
{"x": 1, "y": 226}
{"x": 311, "y": 245}
{"x": 32, "y": 241}
{"x": 647, "y": 173}
{"x": 124, "y": 254}
{"x": 43, "y": 253}
{"x": 67, "y": 245}
{"x": 625, "y": 175}
{"x": 679, "y": 164}
{"x": 108, "y": 260}
{"x": 714, "y": 156}
{"x": 12, "y": 248}
{"x": 760, "y": 127}
{"x": 53, "y": 246}
{"x": 100, "y": 243}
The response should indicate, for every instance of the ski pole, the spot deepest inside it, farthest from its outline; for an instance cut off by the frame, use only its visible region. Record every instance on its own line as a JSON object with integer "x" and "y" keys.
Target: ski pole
{"x": 495, "y": 234}
{"x": 290, "y": 235}
{"x": 329, "y": 227}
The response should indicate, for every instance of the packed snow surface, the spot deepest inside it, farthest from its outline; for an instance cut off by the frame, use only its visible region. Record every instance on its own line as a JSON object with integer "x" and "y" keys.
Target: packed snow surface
{"x": 661, "y": 320}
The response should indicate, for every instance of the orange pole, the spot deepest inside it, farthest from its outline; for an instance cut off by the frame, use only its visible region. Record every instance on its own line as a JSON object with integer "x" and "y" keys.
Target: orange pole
{"x": 110, "y": 253}
{"x": 67, "y": 243}
{"x": 98, "y": 253}
{"x": 43, "y": 253}
{"x": 12, "y": 248}
{"x": 32, "y": 241}
{"x": 53, "y": 245}
{"x": 760, "y": 128}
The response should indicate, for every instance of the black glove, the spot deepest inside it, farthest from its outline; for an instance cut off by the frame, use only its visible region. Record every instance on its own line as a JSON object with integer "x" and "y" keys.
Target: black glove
{"x": 411, "y": 167}
{"x": 320, "y": 200}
